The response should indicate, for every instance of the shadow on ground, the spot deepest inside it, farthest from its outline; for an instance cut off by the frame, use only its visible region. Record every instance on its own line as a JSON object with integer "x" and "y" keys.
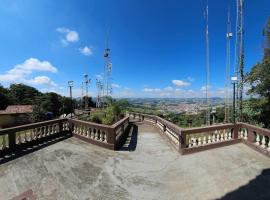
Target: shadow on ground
{"x": 29, "y": 147}
{"x": 130, "y": 142}
{"x": 257, "y": 188}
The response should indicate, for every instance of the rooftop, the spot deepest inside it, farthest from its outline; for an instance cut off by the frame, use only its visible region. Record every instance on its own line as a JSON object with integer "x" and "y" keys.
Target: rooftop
{"x": 17, "y": 109}
{"x": 146, "y": 167}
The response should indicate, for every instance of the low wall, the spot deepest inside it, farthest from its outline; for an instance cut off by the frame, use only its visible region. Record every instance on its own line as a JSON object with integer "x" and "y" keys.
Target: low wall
{"x": 193, "y": 140}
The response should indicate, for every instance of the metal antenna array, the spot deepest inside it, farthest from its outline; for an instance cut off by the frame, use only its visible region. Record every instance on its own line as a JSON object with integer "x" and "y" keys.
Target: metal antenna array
{"x": 228, "y": 67}
{"x": 99, "y": 93}
{"x": 239, "y": 57}
{"x": 82, "y": 95}
{"x": 87, "y": 81}
{"x": 207, "y": 68}
{"x": 107, "y": 73}
{"x": 107, "y": 85}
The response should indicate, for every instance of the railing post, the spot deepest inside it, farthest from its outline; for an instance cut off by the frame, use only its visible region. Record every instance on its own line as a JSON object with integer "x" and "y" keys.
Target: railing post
{"x": 182, "y": 142}
{"x": 111, "y": 136}
{"x": 12, "y": 140}
{"x": 235, "y": 131}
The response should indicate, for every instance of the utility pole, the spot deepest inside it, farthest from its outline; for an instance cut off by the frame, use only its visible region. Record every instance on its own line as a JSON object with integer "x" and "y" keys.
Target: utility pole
{"x": 70, "y": 85}
{"x": 228, "y": 67}
{"x": 234, "y": 82}
{"x": 87, "y": 82}
{"x": 207, "y": 68}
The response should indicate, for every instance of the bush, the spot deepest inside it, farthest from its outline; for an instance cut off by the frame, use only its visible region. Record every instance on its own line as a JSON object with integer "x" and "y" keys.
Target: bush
{"x": 97, "y": 118}
{"x": 108, "y": 119}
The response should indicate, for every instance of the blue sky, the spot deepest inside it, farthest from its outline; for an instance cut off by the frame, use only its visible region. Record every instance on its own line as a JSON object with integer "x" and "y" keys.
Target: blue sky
{"x": 157, "y": 46}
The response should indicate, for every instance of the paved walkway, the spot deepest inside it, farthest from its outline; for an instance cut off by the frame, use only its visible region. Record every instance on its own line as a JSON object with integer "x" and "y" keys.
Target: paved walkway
{"x": 73, "y": 169}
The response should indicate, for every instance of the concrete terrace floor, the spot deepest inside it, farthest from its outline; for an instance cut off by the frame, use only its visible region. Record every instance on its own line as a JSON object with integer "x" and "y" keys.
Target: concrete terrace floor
{"x": 73, "y": 169}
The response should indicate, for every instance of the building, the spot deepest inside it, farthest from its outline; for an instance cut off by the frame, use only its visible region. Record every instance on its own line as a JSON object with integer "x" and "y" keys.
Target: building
{"x": 15, "y": 115}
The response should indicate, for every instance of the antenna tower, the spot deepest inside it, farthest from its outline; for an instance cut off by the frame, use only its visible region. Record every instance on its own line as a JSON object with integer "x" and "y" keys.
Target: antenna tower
{"x": 239, "y": 57}
{"x": 228, "y": 66}
{"x": 87, "y": 81}
{"x": 99, "y": 93}
{"x": 107, "y": 70}
{"x": 82, "y": 95}
{"x": 207, "y": 68}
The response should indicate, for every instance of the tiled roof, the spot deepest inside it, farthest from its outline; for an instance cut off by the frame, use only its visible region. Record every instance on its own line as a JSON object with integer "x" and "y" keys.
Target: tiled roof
{"x": 17, "y": 109}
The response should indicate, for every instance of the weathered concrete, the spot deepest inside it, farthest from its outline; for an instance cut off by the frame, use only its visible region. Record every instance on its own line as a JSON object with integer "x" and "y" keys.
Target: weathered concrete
{"x": 73, "y": 169}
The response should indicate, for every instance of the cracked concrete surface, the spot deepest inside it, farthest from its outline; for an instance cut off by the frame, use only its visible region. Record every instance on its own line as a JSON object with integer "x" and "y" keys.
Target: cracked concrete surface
{"x": 73, "y": 169}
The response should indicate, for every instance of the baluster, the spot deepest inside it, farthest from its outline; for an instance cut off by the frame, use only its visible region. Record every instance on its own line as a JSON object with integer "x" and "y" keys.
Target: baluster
{"x": 263, "y": 142}
{"x": 32, "y": 134}
{"x": 189, "y": 142}
{"x": 199, "y": 141}
{"x": 194, "y": 142}
{"x": 47, "y": 130}
{"x": 204, "y": 140}
{"x": 241, "y": 133}
{"x": 230, "y": 135}
{"x": 268, "y": 148}
{"x": 82, "y": 133}
{"x": 87, "y": 132}
{"x": 226, "y": 135}
{"x": 105, "y": 137}
{"x": 4, "y": 144}
{"x": 52, "y": 129}
{"x": 218, "y": 136}
{"x": 221, "y": 137}
{"x": 102, "y": 136}
{"x": 245, "y": 134}
{"x": 258, "y": 140}
{"x": 213, "y": 138}
{"x": 25, "y": 136}
{"x": 209, "y": 139}
{"x": 92, "y": 134}
{"x": 96, "y": 134}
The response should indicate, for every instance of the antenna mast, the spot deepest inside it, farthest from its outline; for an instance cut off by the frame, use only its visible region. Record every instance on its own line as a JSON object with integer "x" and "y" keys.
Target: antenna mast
{"x": 107, "y": 70}
{"x": 82, "y": 96}
{"x": 207, "y": 68}
{"x": 239, "y": 57}
{"x": 99, "y": 93}
{"x": 86, "y": 82}
{"x": 228, "y": 66}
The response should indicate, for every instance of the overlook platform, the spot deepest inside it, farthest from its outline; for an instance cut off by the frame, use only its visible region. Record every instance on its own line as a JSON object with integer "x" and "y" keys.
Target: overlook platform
{"x": 146, "y": 167}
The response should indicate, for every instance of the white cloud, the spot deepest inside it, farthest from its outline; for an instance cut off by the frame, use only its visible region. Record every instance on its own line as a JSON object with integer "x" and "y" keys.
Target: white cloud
{"x": 114, "y": 85}
{"x": 204, "y": 87}
{"x": 180, "y": 83}
{"x": 20, "y": 73}
{"x": 169, "y": 88}
{"x": 87, "y": 51}
{"x": 71, "y": 36}
{"x": 41, "y": 80}
{"x": 151, "y": 90}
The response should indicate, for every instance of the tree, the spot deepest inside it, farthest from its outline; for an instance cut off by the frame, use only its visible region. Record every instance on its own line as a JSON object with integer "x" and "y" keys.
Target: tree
{"x": 50, "y": 102}
{"x": 4, "y": 98}
{"x": 67, "y": 105}
{"x": 22, "y": 94}
{"x": 259, "y": 78}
